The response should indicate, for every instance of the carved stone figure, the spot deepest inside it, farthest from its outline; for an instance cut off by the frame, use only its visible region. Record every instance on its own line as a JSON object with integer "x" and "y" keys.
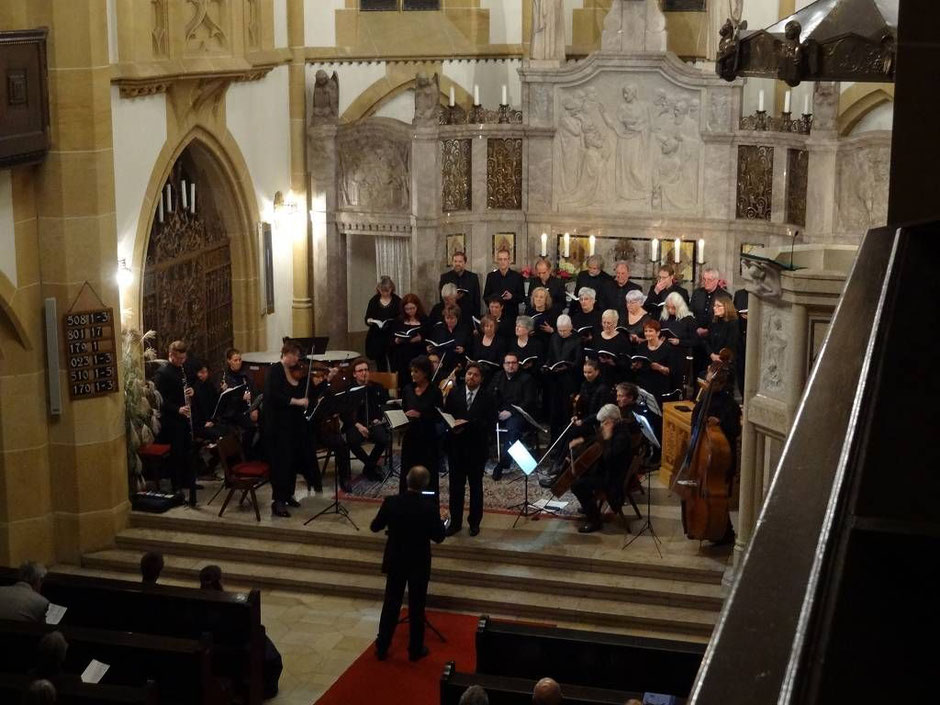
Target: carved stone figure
{"x": 634, "y": 26}
{"x": 825, "y": 105}
{"x": 374, "y": 174}
{"x": 791, "y": 54}
{"x": 765, "y": 276}
{"x": 594, "y": 185}
{"x": 570, "y": 142}
{"x": 718, "y": 111}
{"x": 729, "y": 49}
{"x": 773, "y": 360}
{"x": 548, "y": 30}
{"x": 631, "y": 170}
{"x": 427, "y": 97}
{"x": 862, "y": 188}
{"x": 325, "y": 97}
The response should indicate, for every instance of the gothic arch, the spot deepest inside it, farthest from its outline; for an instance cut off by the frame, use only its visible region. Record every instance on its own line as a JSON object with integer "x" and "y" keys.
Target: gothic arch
{"x": 383, "y": 90}
{"x": 222, "y": 162}
{"x": 860, "y": 99}
{"x": 11, "y": 325}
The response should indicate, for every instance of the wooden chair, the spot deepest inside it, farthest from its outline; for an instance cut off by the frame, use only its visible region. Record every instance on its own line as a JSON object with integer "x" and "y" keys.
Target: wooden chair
{"x": 389, "y": 380}
{"x": 630, "y": 485}
{"x": 240, "y": 474}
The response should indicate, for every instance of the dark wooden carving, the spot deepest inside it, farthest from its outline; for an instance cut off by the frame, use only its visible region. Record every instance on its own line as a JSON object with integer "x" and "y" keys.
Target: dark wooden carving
{"x": 504, "y": 173}
{"x": 24, "y": 97}
{"x": 797, "y": 176}
{"x": 755, "y": 181}
{"x": 456, "y": 175}
{"x": 188, "y": 284}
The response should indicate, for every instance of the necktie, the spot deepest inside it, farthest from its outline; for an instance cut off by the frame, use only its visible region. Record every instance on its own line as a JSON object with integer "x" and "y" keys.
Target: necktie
{"x": 470, "y": 395}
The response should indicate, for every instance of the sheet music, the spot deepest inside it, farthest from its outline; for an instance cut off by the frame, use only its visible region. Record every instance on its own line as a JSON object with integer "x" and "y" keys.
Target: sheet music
{"x": 528, "y": 418}
{"x": 55, "y": 613}
{"x": 94, "y": 672}
{"x": 396, "y": 418}
{"x": 548, "y": 503}
{"x": 523, "y": 457}
{"x": 650, "y": 401}
{"x": 647, "y": 429}
{"x": 448, "y": 418}
{"x": 240, "y": 388}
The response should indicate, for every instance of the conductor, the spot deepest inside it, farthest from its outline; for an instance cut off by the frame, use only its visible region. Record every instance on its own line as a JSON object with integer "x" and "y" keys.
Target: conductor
{"x": 413, "y": 521}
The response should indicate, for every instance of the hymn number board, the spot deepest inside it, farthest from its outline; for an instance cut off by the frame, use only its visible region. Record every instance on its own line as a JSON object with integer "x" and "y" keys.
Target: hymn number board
{"x": 90, "y": 353}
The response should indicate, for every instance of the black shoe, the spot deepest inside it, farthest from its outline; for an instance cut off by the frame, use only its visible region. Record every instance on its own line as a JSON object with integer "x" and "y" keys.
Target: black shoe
{"x": 474, "y": 530}
{"x": 498, "y": 473}
{"x": 548, "y": 481}
{"x": 590, "y": 527}
{"x": 452, "y": 529}
{"x": 292, "y": 503}
{"x": 346, "y": 486}
{"x": 372, "y": 474}
{"x": 420, "y": 655}
{"x": 277, "y": 510}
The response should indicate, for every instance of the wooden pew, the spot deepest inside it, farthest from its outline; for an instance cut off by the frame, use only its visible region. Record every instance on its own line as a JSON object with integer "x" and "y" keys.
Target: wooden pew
{"x": 505, "y": 690}
{"x": 233, "y": 619}
{"x": 614, "y": 661}
{"x": 181, "y": 668}
{"x": 13, "y": 685}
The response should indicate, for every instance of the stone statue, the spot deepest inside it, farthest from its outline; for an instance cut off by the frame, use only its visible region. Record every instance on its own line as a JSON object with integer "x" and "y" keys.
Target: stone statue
{"x": 325, "y": 97}
{"x": 548, "y": 30}
{"x": 790, "y": 68}
{"x": 634, "y": 26}
{"x": 570, "y": 141}
{"x": 631, "y": 170}
{"x": 427, "y": 97}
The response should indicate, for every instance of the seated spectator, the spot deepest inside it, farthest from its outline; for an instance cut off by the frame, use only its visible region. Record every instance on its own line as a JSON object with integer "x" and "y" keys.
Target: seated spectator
{"x": 474, "y": 695}
{"x": 546, "y": 692}
{"x": 21, "y": 601}
{"x": 50, "y": 656}
{"x": 151, "y": 565}
{"x": 210, "y": 578}
{"x": 40, "y": 692}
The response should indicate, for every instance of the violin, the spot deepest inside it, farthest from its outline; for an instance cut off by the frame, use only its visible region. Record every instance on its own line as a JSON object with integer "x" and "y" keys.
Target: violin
{"x": 701, "y": 482}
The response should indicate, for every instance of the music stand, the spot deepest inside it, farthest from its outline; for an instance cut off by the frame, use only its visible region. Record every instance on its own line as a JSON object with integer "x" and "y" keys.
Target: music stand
{"x": 342, "y": 403}
{"x": 648, "y": 523}
{"x": 395, "y": 419}
{"x": 527, "y": 463}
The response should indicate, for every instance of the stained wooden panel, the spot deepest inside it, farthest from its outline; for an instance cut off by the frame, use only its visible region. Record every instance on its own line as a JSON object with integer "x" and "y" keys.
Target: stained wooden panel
{"x": 755, "y": 181}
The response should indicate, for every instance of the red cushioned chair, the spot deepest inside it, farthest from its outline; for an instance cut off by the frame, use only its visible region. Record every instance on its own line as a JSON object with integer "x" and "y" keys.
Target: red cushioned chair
{"x": 153, "y": 458}
{"x": 240, "y": 474}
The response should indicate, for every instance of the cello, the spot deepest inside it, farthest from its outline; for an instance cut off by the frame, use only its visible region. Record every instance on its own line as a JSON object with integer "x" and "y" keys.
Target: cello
{"x": 701, "y": 482}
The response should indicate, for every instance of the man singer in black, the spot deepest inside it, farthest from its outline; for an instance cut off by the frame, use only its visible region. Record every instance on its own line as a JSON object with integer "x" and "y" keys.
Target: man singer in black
{"x": 176, "y": 428}
{"x": 413, "y": 521}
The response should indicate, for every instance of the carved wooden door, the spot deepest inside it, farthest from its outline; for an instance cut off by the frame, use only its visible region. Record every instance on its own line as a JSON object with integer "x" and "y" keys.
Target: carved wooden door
{"x": 188, "y": 286}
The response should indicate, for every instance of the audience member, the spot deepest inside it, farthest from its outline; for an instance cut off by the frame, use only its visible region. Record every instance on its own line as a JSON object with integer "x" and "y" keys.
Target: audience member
{"x": 21, "y": 601}
{"x": 546, "y": 692}
{"x": 40, "y": 692}
{"x": 151, "y": 565}
{"x": 474, "y": 695}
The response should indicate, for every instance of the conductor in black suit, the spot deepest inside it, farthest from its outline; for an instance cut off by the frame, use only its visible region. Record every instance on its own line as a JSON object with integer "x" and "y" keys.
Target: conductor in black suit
{"x": 413, "y": 521}
{"x": 473, "y": 409}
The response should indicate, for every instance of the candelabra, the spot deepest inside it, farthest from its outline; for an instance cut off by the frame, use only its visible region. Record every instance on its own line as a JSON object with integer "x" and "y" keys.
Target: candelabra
{"x": 762, "y": 122}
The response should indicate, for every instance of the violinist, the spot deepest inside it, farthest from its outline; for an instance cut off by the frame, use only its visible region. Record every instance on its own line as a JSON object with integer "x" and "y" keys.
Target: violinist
{"x": 285, "y": 431}
{"x": 383, "y": 308}
{"x": 420, "y": 401}
{"x": 408, "y": 336}
{"x": 242, "y": 415}
{"x": 367, "y": 424}
{"x": 608, "y": 473}
{"x": 203, "y": 404}
{"x": 594, "y": 393}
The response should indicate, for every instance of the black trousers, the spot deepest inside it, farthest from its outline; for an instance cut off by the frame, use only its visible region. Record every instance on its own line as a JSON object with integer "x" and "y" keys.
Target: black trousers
{"x": 584, "y": 488}
{"x": 337, "y": 444}
{"x": 177, "y": 435}
{"x": 466, "y": 466}
{"x": 395, "y": 582}
{"x": 378, "y": 435}
{"x": 511, "y": 431}
{"x": 290, "y": 457}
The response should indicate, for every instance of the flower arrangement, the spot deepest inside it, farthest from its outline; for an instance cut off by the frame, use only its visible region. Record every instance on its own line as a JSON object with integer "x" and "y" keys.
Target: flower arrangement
{"x": 141, "y": 401}
{"x": 527, "y": 273}
{"x": 566, "y": 270}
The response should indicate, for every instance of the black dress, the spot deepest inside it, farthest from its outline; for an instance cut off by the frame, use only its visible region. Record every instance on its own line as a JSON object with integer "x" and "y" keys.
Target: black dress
{"x": 492, "y": 353}
{"x": 444, "y": 341}
{"x": 614, "y": 366}
{"x": 591, "y": 320}
{"x": 287, "y": 435}
{"x": 403, "y": 351}
{"x": 532, "y": 349}
{"x": 378, "y": 339}
{"x": 654, "y": 382}
{"x": 561, "y": 382}
{"x": 634, "y": 328}
{"x": 419, "y": 445}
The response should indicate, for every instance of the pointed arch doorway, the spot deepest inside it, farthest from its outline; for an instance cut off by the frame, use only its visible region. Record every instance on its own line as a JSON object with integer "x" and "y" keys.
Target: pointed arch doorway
{"x": 187, "y": 280}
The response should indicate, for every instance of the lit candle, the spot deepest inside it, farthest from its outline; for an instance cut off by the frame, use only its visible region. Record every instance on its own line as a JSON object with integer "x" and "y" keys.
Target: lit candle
{"x": 169, "y": 199}
{"x": 505, "y": 99}
{"x": 786, "y": 102}
{"x": 701, "y": 251}
{"x": 544, "y": 244}
{"x": 160, "y": 208}
{"x": 591, "y": 245}
{"x": 476, "y": 94}
{"x": 760, "y": 101}
{"x": 452, "y": 97}
{"x": 654, "y": 250}
{"x": 806, "y": 104}
{"x": 192, "y": 197}
{"x": 185, "y": 195}
{"x": 675, "y": 249}
{"x": 567, "y": 244}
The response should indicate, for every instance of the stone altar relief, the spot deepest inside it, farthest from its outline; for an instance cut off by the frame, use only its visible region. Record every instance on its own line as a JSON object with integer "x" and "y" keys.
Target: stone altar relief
{"x": 548, "y": 30}
{"x": 373, "y": 171}
{"x": 862, "y": 187}
{"x": 774, "y": 359}
{"x": 628, "y": 143}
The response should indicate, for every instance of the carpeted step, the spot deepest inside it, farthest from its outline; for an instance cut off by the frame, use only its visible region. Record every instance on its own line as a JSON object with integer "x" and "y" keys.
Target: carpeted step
{"x": 520, "y": 603}
{"x": 498, "y": 575}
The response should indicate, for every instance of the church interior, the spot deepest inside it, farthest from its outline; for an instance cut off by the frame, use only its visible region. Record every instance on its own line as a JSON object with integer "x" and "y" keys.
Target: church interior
{"x": 211, "y": 206}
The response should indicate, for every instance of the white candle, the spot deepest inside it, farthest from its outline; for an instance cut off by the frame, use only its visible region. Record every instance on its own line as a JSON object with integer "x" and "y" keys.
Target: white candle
{"x": 169, "y": 199}
{"x": 160, "y": 208}
{"x": 183, "y": 190}
{"x": 786, "y": 102}
{"x": 654, "y": 250}
{"x": 675, "y": 249}
{"x": 591, "y": 245}
{"x": 544, "y": 244}
{"x": 567, "y": 245}
{"x": 701, "y": 251}
{"x": 192, "y": 197}
{"x": 452, "y": 97}
{"x": 760, "y": 101}
{"x": 476, "y": 94}
{"x": 505, "y": 99}
{"x": 806, "y": 104}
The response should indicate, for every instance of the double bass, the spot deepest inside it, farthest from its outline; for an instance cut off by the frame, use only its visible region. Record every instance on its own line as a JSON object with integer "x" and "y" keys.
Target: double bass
{"x": 701, "y": 482}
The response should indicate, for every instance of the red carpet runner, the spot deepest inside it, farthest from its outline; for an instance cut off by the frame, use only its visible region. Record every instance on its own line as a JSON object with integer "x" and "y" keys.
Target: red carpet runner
{"x": 397, "y": 681}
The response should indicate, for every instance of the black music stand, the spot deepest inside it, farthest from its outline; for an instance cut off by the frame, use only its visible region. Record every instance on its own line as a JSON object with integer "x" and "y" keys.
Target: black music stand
{"x": 526, "y": 508}
{"x": 343, "y": 403}
{"x": 648, "y": 523}
{"x": 427, "y": 623}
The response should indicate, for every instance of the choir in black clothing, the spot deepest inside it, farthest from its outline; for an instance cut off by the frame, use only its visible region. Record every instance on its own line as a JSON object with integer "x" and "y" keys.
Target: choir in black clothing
{"x": 467, "y": 283}
{"x": 408, "y": 336}
{"x": 596, "y": 279}
{"x": 383, "y": 308}
{"x": 586, "y": 319}
{"x": 665, "y": 285}
{"x": 420, "y": 401}
{"x": 505, "y": 283}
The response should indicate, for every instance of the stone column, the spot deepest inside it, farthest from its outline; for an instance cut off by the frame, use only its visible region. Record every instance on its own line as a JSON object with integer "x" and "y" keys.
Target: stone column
{"x": 427, "y": 247}
{"x": 302, "y": 303}
{"x": 74, "y": 190}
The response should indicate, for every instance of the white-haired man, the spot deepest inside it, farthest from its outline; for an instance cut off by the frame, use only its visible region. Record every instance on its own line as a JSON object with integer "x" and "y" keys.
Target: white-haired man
{"x": 21, "y": 602}
{"x": 608, "y": 472}
{"x": 594, "y": 277}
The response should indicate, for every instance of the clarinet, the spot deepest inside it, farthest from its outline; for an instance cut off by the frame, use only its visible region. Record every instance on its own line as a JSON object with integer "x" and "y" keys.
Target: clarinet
{"x": 189, "y": 417}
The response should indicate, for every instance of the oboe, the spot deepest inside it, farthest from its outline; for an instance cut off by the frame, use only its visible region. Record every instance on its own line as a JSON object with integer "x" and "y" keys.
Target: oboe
{"x": 189, "y": 407}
